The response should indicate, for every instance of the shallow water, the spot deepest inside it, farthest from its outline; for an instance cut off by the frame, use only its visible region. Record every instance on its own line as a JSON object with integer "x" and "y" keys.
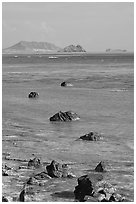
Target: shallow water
{"x": 102, "y": 94}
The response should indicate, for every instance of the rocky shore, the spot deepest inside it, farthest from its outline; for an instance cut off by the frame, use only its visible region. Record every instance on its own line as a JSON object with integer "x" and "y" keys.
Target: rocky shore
{"x": 35, "y": 178}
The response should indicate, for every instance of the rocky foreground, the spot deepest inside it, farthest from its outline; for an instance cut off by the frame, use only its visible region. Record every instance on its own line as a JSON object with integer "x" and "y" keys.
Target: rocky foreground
{"x": 91, "y": 187}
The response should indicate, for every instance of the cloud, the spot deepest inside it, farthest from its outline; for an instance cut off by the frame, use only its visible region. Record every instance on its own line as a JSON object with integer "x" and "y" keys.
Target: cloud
{"x": 46, "y": 28}
{"x": 8, "y": 27}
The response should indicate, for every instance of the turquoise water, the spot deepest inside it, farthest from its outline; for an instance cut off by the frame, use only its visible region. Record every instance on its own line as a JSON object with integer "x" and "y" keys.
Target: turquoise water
{"x": 102, "y": 95}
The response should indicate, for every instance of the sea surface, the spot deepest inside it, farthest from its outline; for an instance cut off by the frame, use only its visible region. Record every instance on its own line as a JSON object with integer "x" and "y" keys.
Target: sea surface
{"x": 102, "y": 95}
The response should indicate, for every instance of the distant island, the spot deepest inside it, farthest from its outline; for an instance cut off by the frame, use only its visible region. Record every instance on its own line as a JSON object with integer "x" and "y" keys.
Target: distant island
{"x": 115, "y": 50}
{"x": 26, "y": 47}
{"x": 73, "y": 48}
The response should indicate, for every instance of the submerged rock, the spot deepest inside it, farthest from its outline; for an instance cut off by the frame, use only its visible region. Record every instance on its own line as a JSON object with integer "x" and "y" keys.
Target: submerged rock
{"x": 65, "y": 84}
{"x": 34, "y": 163}
{"x": 65, "y": 116}
{"x": 92, "y": 136}
{"x": 33, "y": 94}
{"x": 58, "y": 170}
{"x": 101, "y": 167}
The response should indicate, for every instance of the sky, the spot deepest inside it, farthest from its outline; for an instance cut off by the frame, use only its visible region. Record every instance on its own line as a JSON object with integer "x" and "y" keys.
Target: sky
{"x": 96, "y": 26}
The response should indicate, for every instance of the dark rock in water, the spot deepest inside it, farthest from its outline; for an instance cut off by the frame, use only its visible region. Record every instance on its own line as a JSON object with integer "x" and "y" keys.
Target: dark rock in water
{"x": 83, "y": 188}
{"x": 34, "y": 162}
{"x": 65, "y": 116}
{"x": 101, "y": 167}
{"x": 22, "y": 196}
{"x": 54, "y": 169}
{"x": 33, "y": 94}
{"x": 4, "y": 173}
{"x": 92, "y": 136}
{"x": 58, "y": 170}
{"x": 4, "y": 199}
{"x": 65, "y": 84}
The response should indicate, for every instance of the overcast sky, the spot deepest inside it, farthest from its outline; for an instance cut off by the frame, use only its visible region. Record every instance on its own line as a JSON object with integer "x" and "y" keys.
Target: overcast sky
{"x": 95, "y": 26}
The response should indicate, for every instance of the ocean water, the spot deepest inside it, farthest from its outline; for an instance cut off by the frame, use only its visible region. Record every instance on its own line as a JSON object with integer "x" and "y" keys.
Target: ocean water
{"x": 102, "y": 95}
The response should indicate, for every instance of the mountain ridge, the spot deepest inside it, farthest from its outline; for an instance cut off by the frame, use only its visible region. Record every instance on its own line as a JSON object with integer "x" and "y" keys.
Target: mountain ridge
{"x": 33, "y": 46}
{"x": 40, "y": 47}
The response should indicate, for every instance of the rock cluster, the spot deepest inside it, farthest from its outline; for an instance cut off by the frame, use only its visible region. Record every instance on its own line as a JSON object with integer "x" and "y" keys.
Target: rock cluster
{"x": 56, "y": 170}
{"x": 94, "y": 186}
{"x": 92, "y": 136}
{"x": 65, "y": 116}
{"x": 6, "y": 170}
{"x": 33, "y": 94}
{"x": 34, "y": 162}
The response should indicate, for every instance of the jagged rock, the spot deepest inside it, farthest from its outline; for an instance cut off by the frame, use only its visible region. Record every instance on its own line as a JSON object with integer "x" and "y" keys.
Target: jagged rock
{"x": 4, "y": 173}
{"x": 34, "y": 163}
{"x": 54, "y": 169}
{"x": 101, "y": 167}
{"x": 65, "y": 84}
{"x": 83, "y": 188}
{"x": 65, "y": 116}
{"x": 92, "y": 136}
{"x": 33, "y": 94}
{"x": 4, "y": 199}
{"x": 58, "y": 170}
{"x": 22, "y": 196}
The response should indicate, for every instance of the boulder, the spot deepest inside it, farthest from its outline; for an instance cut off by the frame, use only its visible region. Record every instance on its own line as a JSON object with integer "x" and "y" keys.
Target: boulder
{"x": 92, "y": 136}
{"x": 22, "y": 196}
{"x": 101, "y": 167}
{"x": 65, "y": 84}
{"x": 54, "y": 169}
{"x": 4, "y": 199}
{"x": 34, "y": 163}
{"x": 58, "y": 170}
{"x": 65, "y": 116}
{"x": 4, "y": 173}
{"x": 83, "y": 188}
{"x": 33, "y": 94}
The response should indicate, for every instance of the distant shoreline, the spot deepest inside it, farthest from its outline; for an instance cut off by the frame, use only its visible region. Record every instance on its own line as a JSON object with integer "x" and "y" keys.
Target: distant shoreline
{"x": 73, "y": 53}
